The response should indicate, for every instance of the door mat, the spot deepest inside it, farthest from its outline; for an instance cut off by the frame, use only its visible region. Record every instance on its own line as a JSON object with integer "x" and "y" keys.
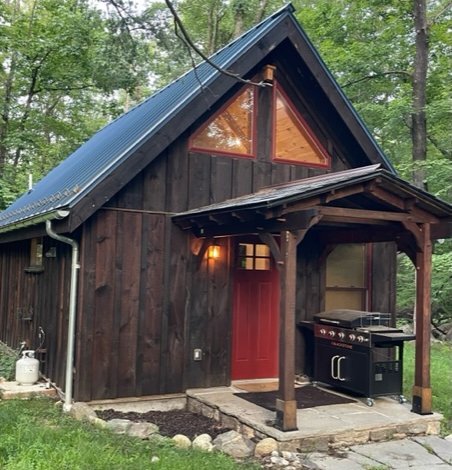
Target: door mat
{"x": 307, "y": 397}
{"x": 258, "y": 386}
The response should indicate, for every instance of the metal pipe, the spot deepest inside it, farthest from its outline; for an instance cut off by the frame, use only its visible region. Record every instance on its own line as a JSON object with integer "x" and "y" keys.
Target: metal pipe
{"x": 72, "y": 312}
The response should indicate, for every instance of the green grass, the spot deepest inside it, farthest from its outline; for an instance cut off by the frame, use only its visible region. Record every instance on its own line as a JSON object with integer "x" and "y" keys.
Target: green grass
{"x": 441, "y": 379}
{"x": 35, "y": 435}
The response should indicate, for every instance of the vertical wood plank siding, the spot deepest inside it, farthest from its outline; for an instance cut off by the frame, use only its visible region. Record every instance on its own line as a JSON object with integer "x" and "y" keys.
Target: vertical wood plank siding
{"x": 32, "y": 300}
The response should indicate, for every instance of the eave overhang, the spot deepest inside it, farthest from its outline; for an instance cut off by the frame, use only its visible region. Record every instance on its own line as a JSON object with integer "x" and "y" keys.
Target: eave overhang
{"x": 362, "y": 197}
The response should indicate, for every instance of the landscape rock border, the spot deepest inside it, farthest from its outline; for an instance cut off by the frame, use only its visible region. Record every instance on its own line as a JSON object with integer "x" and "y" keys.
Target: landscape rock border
{"x": 267, "y": 451}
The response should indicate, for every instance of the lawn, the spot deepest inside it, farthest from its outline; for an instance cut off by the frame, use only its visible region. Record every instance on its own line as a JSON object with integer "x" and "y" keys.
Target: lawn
{"x": 441, "y": 379}
{"x": 35, "y": 435}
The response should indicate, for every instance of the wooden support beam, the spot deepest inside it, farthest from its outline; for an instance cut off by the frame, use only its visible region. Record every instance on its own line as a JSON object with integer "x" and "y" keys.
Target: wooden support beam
{"x": 286, "y": 406}
{"x": 349, "y": 214}
{"x": 422, "y": 392}
{"x": 344, "y": 192}
{"x": 275, "y": 250}
{"x": 406, "y": 205}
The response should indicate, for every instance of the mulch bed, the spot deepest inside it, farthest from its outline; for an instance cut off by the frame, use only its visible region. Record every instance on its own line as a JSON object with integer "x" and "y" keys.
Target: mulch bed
{"x": 171, "y": 422}
{"x": 307, "y": 396}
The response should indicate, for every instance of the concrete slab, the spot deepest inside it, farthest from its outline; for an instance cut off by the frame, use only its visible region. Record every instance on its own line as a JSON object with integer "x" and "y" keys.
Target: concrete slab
{"x": 440, "y": 447}
{"x": 326, "y": 462}
{"x": 176, "y": 401}
{"x": 398, "y": 454}
{"x": 12, "y": 390}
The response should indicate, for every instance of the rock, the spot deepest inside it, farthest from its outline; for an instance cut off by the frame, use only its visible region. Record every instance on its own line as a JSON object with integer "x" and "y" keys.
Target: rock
{"x": 290, "y": 456}
{"x": 142, "y": 430}
{"x": 118, "y": 425}
{"x": 234, "y": 444}
{"x": 275, "y": 453}
{"x": 182, "y": 441}
{"x": 203, "y": 442}
{"x": 265, "y": 447}
{"x": 449, "y": 438}
{"x": 97, "y": 422}
{"x": 279, "y": 461}
{"x": 82, "y": 412}
{"x": 155, "y": 459}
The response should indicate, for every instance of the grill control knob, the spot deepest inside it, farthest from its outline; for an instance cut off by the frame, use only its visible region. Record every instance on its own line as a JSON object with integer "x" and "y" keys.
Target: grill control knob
{"x": 323, "y": 331}
{"x": 341, "y": 334}
{"x": 360, "y": 338}
{"x": 332, "y": 333}
{"x": 351, "y": 337}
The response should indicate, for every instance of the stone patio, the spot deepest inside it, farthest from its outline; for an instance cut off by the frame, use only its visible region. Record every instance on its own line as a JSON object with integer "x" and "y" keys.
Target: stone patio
{"x": 321, "y": 428}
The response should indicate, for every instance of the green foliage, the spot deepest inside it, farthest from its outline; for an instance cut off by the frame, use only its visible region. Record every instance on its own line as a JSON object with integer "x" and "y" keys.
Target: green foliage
{"x": 61, "y": 62}
{"x": 8, "y": 360}
{"x": 369, "y": 46}
{"x": 35, "y": 435}
{"x": 441, "y": 372}
{"x": 441, "y": 283}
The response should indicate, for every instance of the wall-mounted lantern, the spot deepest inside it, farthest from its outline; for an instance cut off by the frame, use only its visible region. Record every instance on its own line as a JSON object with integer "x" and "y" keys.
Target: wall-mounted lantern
{"x": 213, "y": 252}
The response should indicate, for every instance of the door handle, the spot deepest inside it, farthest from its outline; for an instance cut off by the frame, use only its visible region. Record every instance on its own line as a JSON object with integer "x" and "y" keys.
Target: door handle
{"x": 339, "y": 372}
{"x": 334, "y": 375}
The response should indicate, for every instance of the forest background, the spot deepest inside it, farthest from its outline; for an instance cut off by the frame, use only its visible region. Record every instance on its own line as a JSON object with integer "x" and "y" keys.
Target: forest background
{"x": 70, "y": 66}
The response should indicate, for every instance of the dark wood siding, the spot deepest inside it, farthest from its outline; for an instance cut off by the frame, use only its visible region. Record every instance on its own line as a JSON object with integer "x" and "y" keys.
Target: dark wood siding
{"x": 120, "y": 313}
{"x": 383, "y": 277}
{"x": 29, "y": 300}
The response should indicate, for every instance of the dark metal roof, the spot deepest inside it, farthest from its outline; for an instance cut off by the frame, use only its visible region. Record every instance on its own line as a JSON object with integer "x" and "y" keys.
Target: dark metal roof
{"x": 286, "y": 193}
{"x": 92, "y": 162}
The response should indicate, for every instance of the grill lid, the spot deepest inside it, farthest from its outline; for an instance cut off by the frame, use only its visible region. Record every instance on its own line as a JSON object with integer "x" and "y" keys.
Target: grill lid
{"x": 352, "y": 318}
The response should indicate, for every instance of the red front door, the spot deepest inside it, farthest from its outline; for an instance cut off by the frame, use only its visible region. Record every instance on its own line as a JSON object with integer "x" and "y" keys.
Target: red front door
{"x": 256, "y": 314}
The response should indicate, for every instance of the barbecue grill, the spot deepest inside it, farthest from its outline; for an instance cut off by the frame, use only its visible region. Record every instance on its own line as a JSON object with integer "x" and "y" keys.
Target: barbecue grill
{"x": 359, "y": 352}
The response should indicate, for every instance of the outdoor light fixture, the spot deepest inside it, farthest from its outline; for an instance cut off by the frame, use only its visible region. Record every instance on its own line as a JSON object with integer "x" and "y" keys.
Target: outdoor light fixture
{"x": 213, "y": 252}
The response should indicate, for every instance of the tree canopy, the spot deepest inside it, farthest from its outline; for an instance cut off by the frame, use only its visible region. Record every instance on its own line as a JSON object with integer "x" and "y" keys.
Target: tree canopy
{"x": 63, "y": 63}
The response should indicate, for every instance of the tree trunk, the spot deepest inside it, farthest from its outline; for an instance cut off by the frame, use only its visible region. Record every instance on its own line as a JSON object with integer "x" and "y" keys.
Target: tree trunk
{"x": 418, "y": 116}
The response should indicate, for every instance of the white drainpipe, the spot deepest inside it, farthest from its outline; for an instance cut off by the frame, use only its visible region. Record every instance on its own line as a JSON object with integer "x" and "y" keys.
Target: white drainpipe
{"x": 72, "y": 313}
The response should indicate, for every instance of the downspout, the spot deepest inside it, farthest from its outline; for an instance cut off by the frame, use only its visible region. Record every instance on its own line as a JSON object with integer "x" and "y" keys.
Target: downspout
{"x": 72, "y": 313}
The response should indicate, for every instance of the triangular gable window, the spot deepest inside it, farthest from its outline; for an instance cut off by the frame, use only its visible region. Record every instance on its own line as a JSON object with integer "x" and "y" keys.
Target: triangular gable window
{"x": 231, "y": 130}
{"x": 294, "y": 142}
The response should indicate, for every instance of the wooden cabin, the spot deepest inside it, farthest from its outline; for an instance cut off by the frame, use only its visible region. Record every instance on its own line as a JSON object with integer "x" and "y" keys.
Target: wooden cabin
{"x": 203, "y": 224}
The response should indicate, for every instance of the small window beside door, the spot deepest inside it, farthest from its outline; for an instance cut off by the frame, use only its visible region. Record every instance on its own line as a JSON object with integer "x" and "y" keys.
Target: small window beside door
{"x": 347, "y": 280}
{"x": 253, "y": 256}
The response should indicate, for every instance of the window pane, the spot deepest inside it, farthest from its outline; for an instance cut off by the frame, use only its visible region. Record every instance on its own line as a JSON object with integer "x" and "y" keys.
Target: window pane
{"x": 292, "y": 141}
{"x": 246, "y": 263}
{"x": 262, "y": 250}
{"x": 232, "y": 130}
{"x": 346, "y": 266}
{"x": 353, "y": 300}
{"x": 262, "y": 264}
{"x": 246, "y": 249}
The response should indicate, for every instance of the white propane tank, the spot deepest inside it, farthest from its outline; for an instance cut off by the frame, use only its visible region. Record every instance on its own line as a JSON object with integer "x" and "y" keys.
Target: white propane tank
{"x": 27, "y": 369}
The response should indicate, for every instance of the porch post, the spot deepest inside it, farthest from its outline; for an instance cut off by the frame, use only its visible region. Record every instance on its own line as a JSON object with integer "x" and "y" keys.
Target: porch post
{"x": 286, "y": 405}
{"x": 422, "y": 393}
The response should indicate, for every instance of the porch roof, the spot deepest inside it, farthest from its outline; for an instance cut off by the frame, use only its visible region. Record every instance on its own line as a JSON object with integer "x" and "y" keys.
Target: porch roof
{"x": 384, "y": 196}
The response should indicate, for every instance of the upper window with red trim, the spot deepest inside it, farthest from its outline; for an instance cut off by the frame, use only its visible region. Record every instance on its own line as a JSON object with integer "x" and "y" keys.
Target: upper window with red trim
{"x": 231, "y": 130}
{"x": 294, "y": 142}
